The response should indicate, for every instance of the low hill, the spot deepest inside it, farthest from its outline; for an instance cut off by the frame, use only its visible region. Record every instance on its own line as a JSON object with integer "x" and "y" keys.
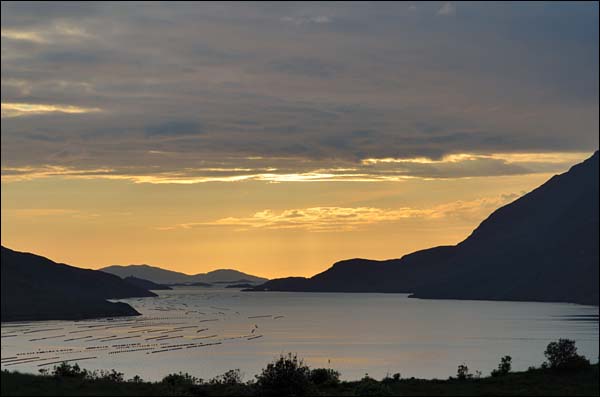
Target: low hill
{"x": 145, "y": 284}
{"x": 163, "y": 276}
{"x": 36, "y": 288}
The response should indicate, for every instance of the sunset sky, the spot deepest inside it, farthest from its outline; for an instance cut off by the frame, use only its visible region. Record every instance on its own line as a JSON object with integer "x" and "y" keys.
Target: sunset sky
{"x": 278, "y": 138}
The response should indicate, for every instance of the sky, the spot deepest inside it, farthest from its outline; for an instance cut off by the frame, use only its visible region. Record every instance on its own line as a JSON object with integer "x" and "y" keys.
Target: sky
{"x": 278, "y": 138}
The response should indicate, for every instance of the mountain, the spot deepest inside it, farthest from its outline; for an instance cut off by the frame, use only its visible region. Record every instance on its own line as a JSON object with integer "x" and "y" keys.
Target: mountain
{"x": 145, "y": 284}
{"x": 541, "y": 247}
{"x": 36, "y": 288}
{"x": 162, "y": 276}
{"x": 146, "y": 272}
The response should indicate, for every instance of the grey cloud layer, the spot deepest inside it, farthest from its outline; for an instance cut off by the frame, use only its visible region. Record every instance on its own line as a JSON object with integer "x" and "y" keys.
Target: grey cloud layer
{"x": 188, "y": 86}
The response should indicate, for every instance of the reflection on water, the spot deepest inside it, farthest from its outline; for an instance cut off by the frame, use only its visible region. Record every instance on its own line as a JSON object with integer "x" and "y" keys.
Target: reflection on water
{"x": 206, "y": 332}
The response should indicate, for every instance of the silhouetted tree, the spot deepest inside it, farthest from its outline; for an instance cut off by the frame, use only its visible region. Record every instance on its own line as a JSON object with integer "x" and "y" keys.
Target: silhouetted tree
{"x": 182, "y": 384}
{"x": 562, "y": 354}
{"x": 231, "y": 377}
{"x": 324, "y": 377}
{"x": 462, "y": 372}
{"x": 287, "y": 376}
{"x": 66, "y": 370}
{"x": 504, "y": 367}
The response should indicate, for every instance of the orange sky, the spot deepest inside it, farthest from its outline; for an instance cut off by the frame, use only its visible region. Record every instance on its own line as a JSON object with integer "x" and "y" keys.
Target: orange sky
{"x": 280, "y": 138}
{"x": 267, "y": 229}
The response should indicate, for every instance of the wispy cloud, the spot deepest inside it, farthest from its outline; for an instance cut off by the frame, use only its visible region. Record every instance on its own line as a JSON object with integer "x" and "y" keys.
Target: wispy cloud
{"x": 23, "y": 35}
{"x": 12, "y": 109}
{"x": 335, "y": 219}
{"x": 282, "y": 170}
{"x": 52, "y": 33}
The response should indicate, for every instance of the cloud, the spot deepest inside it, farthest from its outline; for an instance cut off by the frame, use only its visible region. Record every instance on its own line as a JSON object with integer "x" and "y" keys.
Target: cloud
{"x": 287, "y": 170}
{"x": 209, "y": 85}
{"x": 11, "y": 109}
{"x": 447, "y": 9}
{"x": 57, "y": 31}
{"x": 335, "y": 219}
{"x": 23, "y": 35}
{"x": 175, "y": 129}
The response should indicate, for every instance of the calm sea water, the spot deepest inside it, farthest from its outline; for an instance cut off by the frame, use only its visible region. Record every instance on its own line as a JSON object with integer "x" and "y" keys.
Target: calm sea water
{"x": 206, "y": 332}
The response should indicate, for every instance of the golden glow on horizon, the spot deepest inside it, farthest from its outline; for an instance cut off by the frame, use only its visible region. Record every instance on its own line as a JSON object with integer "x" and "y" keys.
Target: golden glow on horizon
{"x": 507, "y": 157}
{"x": 200, "y": 227}
{"x": 453, "y": 166}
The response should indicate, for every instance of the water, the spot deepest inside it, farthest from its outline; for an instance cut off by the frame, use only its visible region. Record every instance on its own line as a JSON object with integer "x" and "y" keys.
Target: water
{"x": 353, "y": 333}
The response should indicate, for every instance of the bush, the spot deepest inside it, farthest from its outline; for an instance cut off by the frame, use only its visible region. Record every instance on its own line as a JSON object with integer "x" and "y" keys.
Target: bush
{"x": 181, "y": 384}
{"x": 324, "y": 377}
{"x": 66, "y": 370}
{"x": 231, "y": 377}
{"x": 370, "y": 387}
{"x": 111, "y": 376}
{"x": 136, "y": 379}
{"x": 391, "y": 379}
{"x": 562, "y": 355}
{"x": 462, "y": 372}
{"x": 287, "y": 376}
{"x": 504, "y": 367}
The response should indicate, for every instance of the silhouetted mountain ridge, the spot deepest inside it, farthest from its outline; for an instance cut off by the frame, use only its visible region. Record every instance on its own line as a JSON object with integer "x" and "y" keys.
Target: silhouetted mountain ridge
{"x": 541, "y": 247}
{"x": 163, "y": 276}
{"x": 36, "y": 288}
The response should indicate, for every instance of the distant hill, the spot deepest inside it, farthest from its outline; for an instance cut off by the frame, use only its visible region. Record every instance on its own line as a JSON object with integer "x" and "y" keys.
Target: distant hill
{"x": 240, "y": 286}
{"x": 145, "y": 284}
{"x": 196, "y": 284}
{"x": 162, "y": 276}
{"x": 36, "y": 288}
{"x": 541, "y": 247}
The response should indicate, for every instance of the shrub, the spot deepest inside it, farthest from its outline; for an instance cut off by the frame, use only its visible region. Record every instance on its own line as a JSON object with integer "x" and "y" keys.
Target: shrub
{"x": 136, "y": 379}
{"x": 181, "y": 384}
{"x": 231, "y": 377}
{"x": 504, "y": 367}
{"x": 562, "y": 355}
{"x": 391, "y": 379}
{"x": 325, "y": 377}
{"x": 111, "y": 376}
{"x": 462, "y": 372}
{"x": 287, "y": 376}
{"x": 66, "y": 370}
{"x": 370, "y": 387}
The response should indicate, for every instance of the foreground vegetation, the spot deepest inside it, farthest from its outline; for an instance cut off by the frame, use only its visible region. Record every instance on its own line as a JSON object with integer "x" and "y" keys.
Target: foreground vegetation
{"x": 564, "y": 373}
